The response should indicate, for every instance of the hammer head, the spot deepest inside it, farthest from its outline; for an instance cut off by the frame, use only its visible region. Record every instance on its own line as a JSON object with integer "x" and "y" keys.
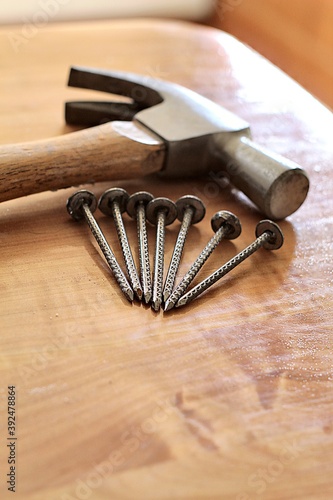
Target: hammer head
{"x": 185, "y": 120}
{"x": 200, "y": 136}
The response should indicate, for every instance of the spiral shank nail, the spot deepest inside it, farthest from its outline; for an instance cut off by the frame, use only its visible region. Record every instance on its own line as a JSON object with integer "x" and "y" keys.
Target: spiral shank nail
{"x": 196, "y": 266}
{"x": 108, "y": 254}
{"x": 226, "y": 268}
{"x": 159, "y": 261}
{"x": 128, "y": 257}
{"x": 144, "y": 252}
{"x": 177, "y": 253}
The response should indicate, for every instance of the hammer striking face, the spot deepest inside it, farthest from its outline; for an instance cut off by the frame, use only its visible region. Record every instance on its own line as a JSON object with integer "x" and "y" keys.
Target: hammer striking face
{"x": 167, "y": 128}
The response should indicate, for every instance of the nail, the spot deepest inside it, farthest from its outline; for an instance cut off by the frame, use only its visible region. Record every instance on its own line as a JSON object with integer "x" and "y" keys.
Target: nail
{"x": 269, "y": 236}
{"x": 160, "y": 212}
{"x": 136, "y": 208}
{"x": 226, "y": 226}
{"x": 190, "y": 210}
{"x": 81, "y": 205}
{"x": 113, "y": 202}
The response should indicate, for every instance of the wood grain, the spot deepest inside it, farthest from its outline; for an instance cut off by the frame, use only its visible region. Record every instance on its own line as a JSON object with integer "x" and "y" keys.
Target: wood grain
{"x": 89, "y": 155}
{"x": 229, "y": 398}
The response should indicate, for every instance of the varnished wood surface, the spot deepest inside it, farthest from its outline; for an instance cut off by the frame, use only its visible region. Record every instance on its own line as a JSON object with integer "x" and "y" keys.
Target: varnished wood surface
{"x": 229, "y": 398}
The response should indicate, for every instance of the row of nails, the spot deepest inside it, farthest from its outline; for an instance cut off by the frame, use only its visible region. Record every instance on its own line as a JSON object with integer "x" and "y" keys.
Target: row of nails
{"x": 141, "y": 206}
{"x": 162, "y": 212}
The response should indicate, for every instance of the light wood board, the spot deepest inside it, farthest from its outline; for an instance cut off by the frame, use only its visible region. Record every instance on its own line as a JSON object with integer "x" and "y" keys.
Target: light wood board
{"x": 228, "y": 398}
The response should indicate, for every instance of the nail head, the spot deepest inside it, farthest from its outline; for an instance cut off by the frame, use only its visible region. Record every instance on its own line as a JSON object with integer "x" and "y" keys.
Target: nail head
{"x": 277, "y": 239}
{"x": 195, "y": 203}
{"x": 224, "y": 217}
{"x": 111, "y": 195}
{"x": 135, "y": 199}
{"x": 77, "y": 200}
{"x": 159, "y": 204}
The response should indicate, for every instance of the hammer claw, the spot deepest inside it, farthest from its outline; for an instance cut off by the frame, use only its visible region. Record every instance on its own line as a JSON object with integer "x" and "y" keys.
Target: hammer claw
{"x": 91, "y": 113}
{"x": 120, "y": 83}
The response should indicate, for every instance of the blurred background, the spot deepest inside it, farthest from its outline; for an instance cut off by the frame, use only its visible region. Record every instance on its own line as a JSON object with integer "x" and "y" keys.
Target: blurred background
{"x": 296, "y": 35}
{"x": 16, "y": 10}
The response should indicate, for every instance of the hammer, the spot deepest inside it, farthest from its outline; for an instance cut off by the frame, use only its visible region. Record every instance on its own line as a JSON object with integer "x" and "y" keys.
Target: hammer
{"x": 161, "y": 127}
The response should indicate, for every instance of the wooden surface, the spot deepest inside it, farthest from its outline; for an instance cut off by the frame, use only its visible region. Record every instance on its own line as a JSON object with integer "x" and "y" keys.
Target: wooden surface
{"x": 229, "y": 398}
{"x": 295, "y": 35}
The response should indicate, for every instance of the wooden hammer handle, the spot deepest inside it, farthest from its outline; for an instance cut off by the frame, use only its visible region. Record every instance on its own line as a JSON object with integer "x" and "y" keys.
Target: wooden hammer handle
{"x": 114, "y": 150}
